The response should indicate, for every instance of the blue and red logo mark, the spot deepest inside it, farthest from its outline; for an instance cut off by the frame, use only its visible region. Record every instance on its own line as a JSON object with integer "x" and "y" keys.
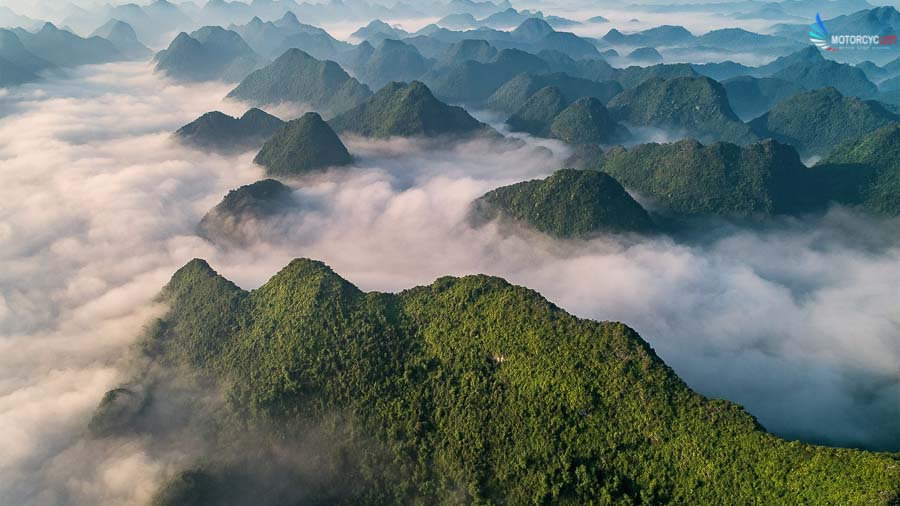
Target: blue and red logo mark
{"x": 825, "y": 41}
{"x": 818, "y": 35}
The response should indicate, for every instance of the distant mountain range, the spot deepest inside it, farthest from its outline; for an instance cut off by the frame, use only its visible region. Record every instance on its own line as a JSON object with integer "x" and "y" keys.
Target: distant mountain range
{"x": 489, "y": 68}
{"x": 299, "y": 78}
{"x": 473, "y": 82}
{"x": 645, "y": 55}
{"x": 210, "y": 53}
{"x": 501, "y": 19}
{"x": 746, "y": 9}
{"x": 469, "y": 49}
{"x": 18, "y": 65}
{"x": 124, "y": 39}
{"x": 533, "y": 35}
{"x": 151, "y": 22}
{"x": 392, "y": 60}
{"x": 540, "y": 77}
{"x": 377, "y": 31}
{"x": 154, "y": 21}
{"x": 272, "y": 38}
{"x": 677, "y": 42}
{"x": 882, "y": 20}
{"x": 9, "y": 18}
{"x": 25, "y": 56}
{"x": 65, "y": 49}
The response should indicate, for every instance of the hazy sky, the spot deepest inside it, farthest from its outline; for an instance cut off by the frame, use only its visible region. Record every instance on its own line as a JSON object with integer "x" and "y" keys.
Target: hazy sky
{"x": 621, "y": 16}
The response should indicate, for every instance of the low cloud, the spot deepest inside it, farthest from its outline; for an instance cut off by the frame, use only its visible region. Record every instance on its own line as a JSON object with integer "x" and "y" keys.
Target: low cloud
{"x": 797, "y": 319}
{"x": 99, "y": 210}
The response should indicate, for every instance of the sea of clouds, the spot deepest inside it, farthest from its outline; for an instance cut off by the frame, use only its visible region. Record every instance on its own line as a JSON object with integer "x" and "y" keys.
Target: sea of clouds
{"x": 796, "y": 319}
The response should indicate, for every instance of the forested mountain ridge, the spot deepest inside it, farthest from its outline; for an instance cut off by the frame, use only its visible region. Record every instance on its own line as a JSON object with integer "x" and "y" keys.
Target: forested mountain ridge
{"x": 468, "y": 390}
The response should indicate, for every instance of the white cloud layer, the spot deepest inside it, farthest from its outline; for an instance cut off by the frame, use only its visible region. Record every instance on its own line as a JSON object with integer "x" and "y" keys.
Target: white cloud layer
{"x": 797, "y": 320}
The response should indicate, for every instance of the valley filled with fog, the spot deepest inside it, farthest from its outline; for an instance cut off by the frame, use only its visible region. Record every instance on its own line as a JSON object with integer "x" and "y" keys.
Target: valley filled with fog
{"x": 793, "y": 316}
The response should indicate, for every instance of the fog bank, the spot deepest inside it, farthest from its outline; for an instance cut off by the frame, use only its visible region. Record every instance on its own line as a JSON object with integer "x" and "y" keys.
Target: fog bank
{"x": 797, "y": 320}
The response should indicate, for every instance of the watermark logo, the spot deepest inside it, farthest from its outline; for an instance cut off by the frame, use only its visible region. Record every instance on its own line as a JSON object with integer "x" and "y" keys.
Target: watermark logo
{"x": 818, "y": 35}
{"x": 825, "y": 41}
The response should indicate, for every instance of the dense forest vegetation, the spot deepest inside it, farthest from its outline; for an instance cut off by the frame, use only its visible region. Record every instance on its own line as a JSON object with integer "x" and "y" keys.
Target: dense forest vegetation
{"x": 466, "y": 390}
{"x": 570, "y": 203}
{"x": 304, "y": 144}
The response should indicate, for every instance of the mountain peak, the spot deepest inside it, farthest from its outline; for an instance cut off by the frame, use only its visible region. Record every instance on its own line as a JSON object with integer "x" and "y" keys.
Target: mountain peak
{"x": 293, "y": 54}
{"x": 404, "y": 110}
{"x": 302, "y": 267}
{"x": 419, "y": 88}
{"x": 800, "y": 121}
{"x": 196, "y": 275}
{"x": 569, "y": 203}
{"x": 865, "y": 171}
{"x": 123, "y": 37}
{"x": 303, "y": 145}
{"x": 537, "y": 113}
{"x": 669, "y": 29}
{"x": 297, "y": 77}
{"x": 377, "y": 23}
{"x": 212, "y": 32}
{"x": 614, "y": 36}
{"x": 227, "y": 223}
{"x": 698, "y": 105}
{"x": 214, "y": 116}
{"x": 218, "y": 132}
{"x": 289, "y": 19}
{"x": 208, "y": 53}
{"x": 884, "y": 12}
{"x": 305, "y": 282}
{"x": 811, "y": 53}
{"x": 393, "y": 44}
{"x": 198, "y": 266}
{"x": 586, "y": 122}
{"x": 182, "y": 39}
{"x": 720, "y": 178}
{"x": 254, "y": 113}
{"x": 306, "y": 345}
{"x": 533, "y": 29}
{"x": 469, "y": 49}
